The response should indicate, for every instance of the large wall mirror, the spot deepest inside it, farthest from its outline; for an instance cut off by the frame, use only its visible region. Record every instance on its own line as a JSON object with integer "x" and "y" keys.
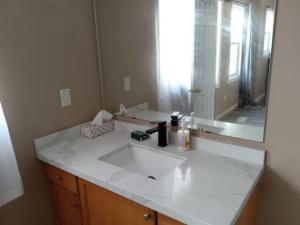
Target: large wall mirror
{"x": 205, "y": 58}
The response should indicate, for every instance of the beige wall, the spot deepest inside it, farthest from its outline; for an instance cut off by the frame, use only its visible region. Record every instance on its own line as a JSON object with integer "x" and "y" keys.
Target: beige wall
{"x": 45, "y": 45}
{"x": 281, "y": 191}
{"x": 55, "y": 59}
{"x": 127, "y": 48}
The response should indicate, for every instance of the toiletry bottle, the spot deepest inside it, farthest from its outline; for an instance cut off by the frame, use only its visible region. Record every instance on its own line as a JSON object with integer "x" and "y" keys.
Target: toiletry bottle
{"x": 180, "y": 137}
{"x": 187, "y": 137}
{"x": 184, "y": 137}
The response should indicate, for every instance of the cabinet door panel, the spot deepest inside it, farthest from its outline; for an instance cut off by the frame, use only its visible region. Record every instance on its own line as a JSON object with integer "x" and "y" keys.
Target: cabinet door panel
{"x": 66, "y": 206}
{"x": 102, "y": 207}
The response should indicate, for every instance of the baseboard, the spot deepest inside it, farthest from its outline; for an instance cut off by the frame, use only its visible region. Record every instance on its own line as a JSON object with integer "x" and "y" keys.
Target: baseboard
{"x": 229, "y": 110}
{"x": 260, "y": 97}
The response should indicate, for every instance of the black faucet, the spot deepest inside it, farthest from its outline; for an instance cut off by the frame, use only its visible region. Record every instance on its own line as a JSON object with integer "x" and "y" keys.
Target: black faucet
{"x": 162, "y": 133}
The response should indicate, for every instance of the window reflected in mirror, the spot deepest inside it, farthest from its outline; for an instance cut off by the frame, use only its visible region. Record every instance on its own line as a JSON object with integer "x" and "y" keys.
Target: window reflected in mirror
{"x": 207, "y": 59}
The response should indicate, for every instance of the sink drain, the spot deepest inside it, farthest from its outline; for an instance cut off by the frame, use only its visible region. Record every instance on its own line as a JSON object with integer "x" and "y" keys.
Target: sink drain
{"x": 152, "y": 177}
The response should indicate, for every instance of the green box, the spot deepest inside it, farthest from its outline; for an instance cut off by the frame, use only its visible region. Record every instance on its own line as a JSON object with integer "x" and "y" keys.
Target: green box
{"x": 139, "y": 135}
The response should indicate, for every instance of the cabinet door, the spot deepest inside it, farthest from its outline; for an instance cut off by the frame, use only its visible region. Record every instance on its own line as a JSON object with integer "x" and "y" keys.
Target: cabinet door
{"x": 164, "y": 220}
{"x": 66, "y": 206}
{"x": 102, "y": 207}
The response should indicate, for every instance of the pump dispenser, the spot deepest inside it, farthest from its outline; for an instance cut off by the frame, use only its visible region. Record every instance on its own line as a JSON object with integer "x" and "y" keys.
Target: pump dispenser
{"x": 184, "y": 136}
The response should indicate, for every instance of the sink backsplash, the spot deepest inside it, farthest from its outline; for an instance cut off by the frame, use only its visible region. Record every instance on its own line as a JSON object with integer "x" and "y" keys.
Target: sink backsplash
{"x": 215, "y": 147}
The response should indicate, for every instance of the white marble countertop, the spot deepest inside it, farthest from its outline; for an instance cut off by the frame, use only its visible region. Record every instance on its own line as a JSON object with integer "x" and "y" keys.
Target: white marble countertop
{"x": 210, "y": 188}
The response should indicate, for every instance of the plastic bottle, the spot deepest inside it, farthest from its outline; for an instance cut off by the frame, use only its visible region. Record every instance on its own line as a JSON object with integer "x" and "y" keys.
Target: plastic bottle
{"x": 184, "y": 137}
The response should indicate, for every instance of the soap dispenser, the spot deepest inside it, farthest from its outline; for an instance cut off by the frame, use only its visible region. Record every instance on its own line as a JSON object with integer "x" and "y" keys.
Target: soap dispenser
{"x": 184, "y": 136}
{"x": 175, "y": 118}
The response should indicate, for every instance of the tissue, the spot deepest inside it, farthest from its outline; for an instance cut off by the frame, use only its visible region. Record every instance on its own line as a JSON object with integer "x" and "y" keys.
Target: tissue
{"x": 102, "y": 116}
{"x": 102, "y": 124}
{"x": 92, "y": 131}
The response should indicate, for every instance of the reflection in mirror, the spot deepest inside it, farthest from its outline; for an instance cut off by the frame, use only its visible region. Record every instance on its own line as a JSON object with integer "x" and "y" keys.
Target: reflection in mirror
{"x": 205, "y": 58}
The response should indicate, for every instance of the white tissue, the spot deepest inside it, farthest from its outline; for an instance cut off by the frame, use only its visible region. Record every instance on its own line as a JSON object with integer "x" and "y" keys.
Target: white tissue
{"x": 101, "y": 117}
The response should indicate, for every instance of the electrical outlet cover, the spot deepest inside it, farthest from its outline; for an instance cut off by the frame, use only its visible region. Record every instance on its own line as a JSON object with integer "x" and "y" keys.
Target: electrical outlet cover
{"x": 127, "y": 86}
{"x": 65, "y": 97}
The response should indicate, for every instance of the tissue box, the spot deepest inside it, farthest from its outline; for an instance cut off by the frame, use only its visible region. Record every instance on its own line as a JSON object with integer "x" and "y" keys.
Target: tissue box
{"x": 92, "y": 131}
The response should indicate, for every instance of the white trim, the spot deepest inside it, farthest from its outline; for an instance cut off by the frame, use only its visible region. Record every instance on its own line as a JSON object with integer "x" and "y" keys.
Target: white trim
{"x": 260, "y": 97}
{"x": 229, "y": 110}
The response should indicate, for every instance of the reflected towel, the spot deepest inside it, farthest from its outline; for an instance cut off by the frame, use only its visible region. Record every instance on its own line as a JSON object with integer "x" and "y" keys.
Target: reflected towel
{"x": 11, "y": 186}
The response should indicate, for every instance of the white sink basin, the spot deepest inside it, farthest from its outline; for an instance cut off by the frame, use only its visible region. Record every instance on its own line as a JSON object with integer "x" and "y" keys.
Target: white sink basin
{"x": 143, "y": 160}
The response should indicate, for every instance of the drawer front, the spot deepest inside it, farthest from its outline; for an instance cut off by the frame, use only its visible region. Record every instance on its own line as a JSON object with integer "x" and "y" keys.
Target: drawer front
{"x": 62, "y": 178}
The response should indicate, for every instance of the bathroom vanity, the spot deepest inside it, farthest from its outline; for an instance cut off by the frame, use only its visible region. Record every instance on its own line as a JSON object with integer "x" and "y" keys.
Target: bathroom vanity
{"x": 210, "y": 65}
{"x": 114, "y": 180}
{"x": 77, "y": 201}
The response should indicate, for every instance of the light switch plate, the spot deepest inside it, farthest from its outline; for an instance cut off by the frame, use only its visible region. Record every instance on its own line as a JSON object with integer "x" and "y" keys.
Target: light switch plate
{"x": 65, "y": 97}
{"x": 126, "y": 82}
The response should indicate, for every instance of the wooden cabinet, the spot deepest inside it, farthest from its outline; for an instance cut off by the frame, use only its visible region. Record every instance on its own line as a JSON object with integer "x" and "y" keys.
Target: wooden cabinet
{"x": 98, "y": 206}
{"x": 164, "y": 220}
{"x": 65, "y": 198}
{"x": 102, "y": 207}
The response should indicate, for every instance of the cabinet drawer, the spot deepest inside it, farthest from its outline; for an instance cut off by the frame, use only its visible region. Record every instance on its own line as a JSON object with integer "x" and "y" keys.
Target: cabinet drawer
{"x": 62, "y": 178}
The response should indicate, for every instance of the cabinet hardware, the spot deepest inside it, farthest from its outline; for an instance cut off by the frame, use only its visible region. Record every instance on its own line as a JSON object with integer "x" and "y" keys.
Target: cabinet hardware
{"x": 58, "y": 177}
{"x": 74, "y": 204}
{"x": 147, "y": 216}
